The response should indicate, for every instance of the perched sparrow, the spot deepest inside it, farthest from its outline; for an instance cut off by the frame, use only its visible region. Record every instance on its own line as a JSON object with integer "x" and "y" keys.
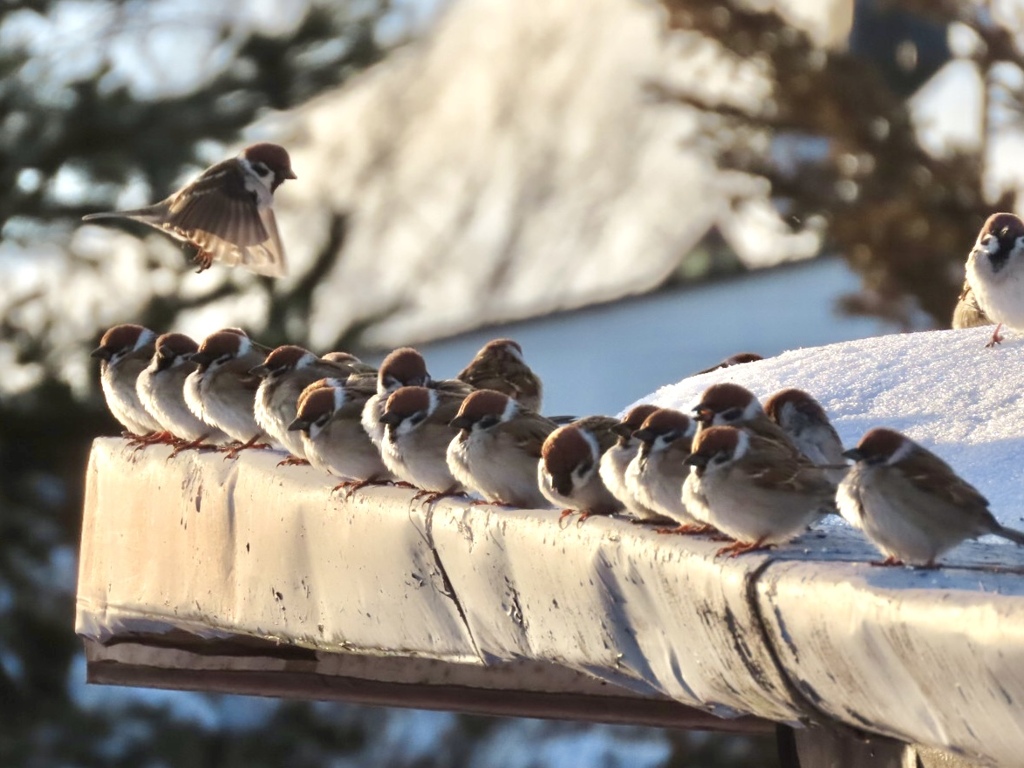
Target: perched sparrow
{"x": 287, "y": 371}
{"x": 967, "y": 313}
{"x": 404, "y": 367}
{"x": 655, "y": 475}
{"x": 994, "y": 273}
{"x": 616, "y": 459}
{"x": 500, "y": 366}
{"x": 497, "y": 448}
{"x": 738, "y": 359}
{"x": 568, "y": 472}
{"x": 161, "y": 389}
{"x": 417, "y": 431}
{"x": 911, "y": 503}
{"x": 804, "y": 420}
{"x": 728, "y": 404}
{"x": 227, "y": 212}
{"x": 333, "y": 439}
{"x": 221, "y": 392}
{"x": 752, "y": 489}
{"x": 124, "y": 352}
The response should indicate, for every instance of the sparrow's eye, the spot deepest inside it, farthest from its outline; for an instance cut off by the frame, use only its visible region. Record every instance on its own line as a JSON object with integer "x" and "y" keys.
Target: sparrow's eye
{"x": 731, "y": 414}
{"x": 222, "y": 359}
{"x": 719, "y": 458}
{"x": 583, "y": 469}
{"x": 260, "y": 168}
{"x": 416, "y": 418}
{"x": 488, "y": 421}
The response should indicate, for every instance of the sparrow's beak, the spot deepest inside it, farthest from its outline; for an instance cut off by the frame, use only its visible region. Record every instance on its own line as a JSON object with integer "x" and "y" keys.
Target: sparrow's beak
{"x": 260, "y": 370}
{"x": 702, "y": 414}
{"x": 290, "y": 174}
{"x": 696, "y": 460}
{"x": 562, "y": 484}
{"x": 299, "y": 424}
{"x": 622, "y": 429}
{"x": 390, "y": 418}
{"x": 461, "y": 422}
{"x": 853, "y": 454}
{"x": 102, "y": 353}
{"x": 202, "y": 359}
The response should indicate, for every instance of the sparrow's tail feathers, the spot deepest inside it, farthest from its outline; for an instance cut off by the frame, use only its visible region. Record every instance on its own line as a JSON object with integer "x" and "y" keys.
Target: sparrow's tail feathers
{"x": 1017, "y": 537}
{"x": 147, "y": 215}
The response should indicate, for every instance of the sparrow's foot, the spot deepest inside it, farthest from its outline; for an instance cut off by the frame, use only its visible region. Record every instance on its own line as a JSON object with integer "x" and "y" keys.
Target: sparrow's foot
{"x": 741, "y": 547}
{"x": 429, "y": 498}
{"x": 689, "y": 529}
{"x": 189, "y": 445}
{"x": 997, "y": 337}
{"x": 138, "y": 442}
{"x": 204, "y": 259}
{"x": 293, "y": 461}
{"x": 351, "y": 486}
{"x": 231, "y": 452}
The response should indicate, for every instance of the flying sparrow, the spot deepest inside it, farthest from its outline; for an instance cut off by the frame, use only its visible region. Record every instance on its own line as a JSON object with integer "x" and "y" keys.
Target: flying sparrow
{"x": 227, "y": 212}
{"x": 994, "y": 273}
{"x": 752, "y": 489}
{"x": 496, "y": 450}
{"x": 221, "y": 392}
{"x": 568, "y": 472}
{"x": 911, "y": 503}
{"x": 403, "y": 367}
{"x": 333, "y": 440}
{"x": 616, "y": 459}
{"x": 728, "y": 404}
{"x": 124, "y": 353}
{"x": 161, "y": 388}
{"x": 285, "y": 373}
{"x": 738, "y": 359}
{"x": 805, "y": 422}
{"x": 655, "y": 475}
{"x": 500, "y": 366}
{"x": 417, "y": 431}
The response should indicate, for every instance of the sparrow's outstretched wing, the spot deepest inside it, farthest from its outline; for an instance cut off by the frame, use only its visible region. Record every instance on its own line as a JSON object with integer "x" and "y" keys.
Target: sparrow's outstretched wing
{"x": 220, "y": 215}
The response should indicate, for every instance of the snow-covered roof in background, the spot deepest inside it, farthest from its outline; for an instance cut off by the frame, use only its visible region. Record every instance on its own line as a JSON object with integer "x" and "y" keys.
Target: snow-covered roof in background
{"x": 944, "y": 389}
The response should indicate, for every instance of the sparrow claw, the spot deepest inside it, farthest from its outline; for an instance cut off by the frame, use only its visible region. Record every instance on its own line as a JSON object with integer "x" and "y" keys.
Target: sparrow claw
{"x": 233, "y": 451}
{"x": 204, "y": 259}
{"x": 293, "y": 461}
{"x": 429, "y": 498}
{"x": 741, "y": 548}
{"x": 997, "y": 337}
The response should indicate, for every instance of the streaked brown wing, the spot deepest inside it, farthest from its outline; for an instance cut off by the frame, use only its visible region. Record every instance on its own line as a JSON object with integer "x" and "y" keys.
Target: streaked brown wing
{"x": 932, "y": 472}
{"x": 220, "y": 216}
{"x": 780, "y": 466}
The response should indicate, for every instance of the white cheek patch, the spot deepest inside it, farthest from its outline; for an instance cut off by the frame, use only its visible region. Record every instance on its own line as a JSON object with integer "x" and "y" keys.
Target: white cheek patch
{"x": 407, "y": 425}
{"x": 900, "y": 453}
{"x": 742, "y": 445}
{"x": 511, "y": 409}
{"x": 144, "y": 338}
{"x": 753, "y": 409}
{"x": 244, "y": 345}
{"x": 306, "y": 360}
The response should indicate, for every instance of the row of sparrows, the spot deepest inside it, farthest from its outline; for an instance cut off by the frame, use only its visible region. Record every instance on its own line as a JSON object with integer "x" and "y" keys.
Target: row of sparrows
{"x": 760, "y": 475}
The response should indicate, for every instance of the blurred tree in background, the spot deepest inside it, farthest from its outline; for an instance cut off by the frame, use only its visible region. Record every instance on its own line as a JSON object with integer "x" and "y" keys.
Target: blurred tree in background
{"x": 835, "y": 136}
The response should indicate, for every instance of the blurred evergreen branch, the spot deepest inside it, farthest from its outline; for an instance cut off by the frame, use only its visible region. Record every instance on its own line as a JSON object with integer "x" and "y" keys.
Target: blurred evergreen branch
{"x": 903, "y": 218}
